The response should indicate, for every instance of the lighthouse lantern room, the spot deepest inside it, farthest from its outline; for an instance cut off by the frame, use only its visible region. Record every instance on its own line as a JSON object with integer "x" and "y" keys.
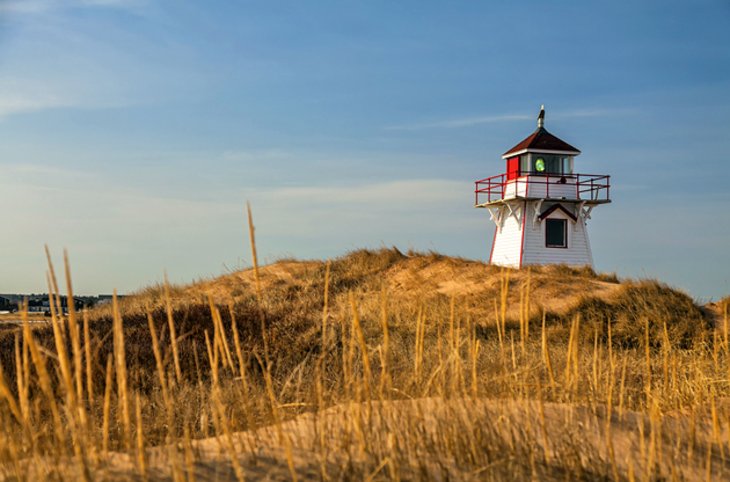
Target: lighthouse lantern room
{"x": 540, "y": 205}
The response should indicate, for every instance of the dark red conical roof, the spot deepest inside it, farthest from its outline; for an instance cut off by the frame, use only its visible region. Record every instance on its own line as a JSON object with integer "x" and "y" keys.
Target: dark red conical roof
{"x": 542, "y": 140}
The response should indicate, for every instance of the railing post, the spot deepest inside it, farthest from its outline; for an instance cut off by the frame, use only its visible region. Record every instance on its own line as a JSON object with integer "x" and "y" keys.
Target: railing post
{"x": 593, "y": 193}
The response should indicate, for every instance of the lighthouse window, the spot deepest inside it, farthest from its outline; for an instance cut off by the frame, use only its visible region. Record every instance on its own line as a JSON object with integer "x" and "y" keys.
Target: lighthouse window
{"x": 549, "y": 164}
{"x": 567, "y": 168}
{"x": 524, "y": 164}
{"x": 556, "y": 233}
{"x": 540, "y": 164}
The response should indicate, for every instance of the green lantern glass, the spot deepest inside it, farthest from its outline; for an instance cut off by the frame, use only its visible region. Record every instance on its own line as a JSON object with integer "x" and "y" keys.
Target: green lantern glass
{"x": 540, "y": 164}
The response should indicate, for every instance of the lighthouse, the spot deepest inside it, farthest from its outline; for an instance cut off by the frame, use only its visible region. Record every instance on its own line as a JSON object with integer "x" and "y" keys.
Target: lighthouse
{"x": 540, "y": 205}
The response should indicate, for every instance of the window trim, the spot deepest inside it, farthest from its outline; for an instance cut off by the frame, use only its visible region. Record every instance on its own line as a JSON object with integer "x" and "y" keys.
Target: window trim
{"x": 565, "y": 234}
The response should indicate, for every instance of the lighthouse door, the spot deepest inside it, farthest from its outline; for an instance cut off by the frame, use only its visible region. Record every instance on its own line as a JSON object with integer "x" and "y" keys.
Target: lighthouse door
{"x": 513, "y": 167}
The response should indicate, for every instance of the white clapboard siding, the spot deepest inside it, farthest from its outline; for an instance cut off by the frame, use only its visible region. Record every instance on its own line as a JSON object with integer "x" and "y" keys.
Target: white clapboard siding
{"x": 514, "y": 249}
{"x": 550, "y": 188}
{"x": 507, "y": 243}
{"x": 541, "y": 187}
{"x": 516, "y": 188}
{"x": 578, "y": 252}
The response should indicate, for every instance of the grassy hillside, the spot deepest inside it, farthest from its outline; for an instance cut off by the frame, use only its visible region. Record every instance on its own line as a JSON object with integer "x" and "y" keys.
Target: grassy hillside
{"x": 377, "y": 365}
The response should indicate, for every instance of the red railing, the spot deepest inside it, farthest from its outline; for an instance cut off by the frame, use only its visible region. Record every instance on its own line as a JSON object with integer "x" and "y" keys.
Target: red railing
{"x": 584, "y": 187}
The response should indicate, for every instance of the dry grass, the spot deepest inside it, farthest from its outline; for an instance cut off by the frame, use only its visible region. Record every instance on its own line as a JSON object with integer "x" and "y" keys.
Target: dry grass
{"x": 378, "y": 365}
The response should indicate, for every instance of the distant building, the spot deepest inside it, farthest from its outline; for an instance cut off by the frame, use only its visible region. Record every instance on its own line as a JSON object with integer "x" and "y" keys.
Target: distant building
{"x": 6, "y": 304}
{"x": 39, "y": 303}
{"x": 105, "y": 299}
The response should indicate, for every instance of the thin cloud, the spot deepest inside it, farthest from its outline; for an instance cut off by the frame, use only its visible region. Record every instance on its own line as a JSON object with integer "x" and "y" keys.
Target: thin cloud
{"x": 110, "y": 3}
{"x": 257, "y": 155}
{"x": 592, "y": 113}
{"x": 20, "y": 95}
{"x": 363, "y": 210}
{"x": 463, "y": 122}
{"x": 44, "y": 175}
{"x": 490, "y": 119}
{"x": 20, "y": 103}
{"x": 43, "y": 6}
{"x": 382, "y": 194}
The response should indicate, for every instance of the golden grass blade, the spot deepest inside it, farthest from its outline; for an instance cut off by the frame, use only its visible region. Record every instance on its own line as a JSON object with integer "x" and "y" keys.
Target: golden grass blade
{"x": 522, "y": 318}
{"x": 452, "y": 327}
{"x": 474, "y": 372}
{"x": 9, "y": 398}
{"x": 189, "y": 456}
{"x": 611, "y": 362}
{"x": 21, "y": 369}
{"x": 74, "y": 332}
{"x": 224, "y": 342}
{"x": 44, "y": 380}
{"x": 647, "y": 351}
{"x": 141, "y": 455}
{"x": 569, "y": 355}
{"x": 725, "y": 334}
{"x": 257, "y": 282}
{"x": 622, "y": 389}
{"x": 546, "y": 352}
{"x": 243, "y": 371}
{"x": 107, "y": 405}
{"x": 63, "y": 359}
{"x": 325, "y": 307}
{"x": 212, "y": 357}
{"x": 87, "y": 356}
{"x": 385, "y": 347}
{"x": 173, "y": 334}
{"x": 498, "y": 323}
{"x": 120, "y": 364}
{"x": 160, "y": 367}
{"x": 254, "y": 256}
{"x": 357, "y": 329}
{"x": 56, "y": 313}
{"x": 283, "y": 438}
{"x": 54, "y": 293}
{"x": 527, "y": 302}
{"x": 504, "y": 293}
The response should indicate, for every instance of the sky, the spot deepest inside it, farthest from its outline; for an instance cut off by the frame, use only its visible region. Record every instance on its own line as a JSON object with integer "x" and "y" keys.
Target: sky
{"x": 133, "y": 132}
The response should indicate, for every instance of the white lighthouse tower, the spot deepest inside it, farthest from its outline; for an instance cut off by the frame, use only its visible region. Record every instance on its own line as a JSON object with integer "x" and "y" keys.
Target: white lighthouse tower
{"x": 540, "y": 205}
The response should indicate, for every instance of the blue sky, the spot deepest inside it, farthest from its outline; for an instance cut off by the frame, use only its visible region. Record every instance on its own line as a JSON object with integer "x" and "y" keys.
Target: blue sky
{"x": 133, "y": 131}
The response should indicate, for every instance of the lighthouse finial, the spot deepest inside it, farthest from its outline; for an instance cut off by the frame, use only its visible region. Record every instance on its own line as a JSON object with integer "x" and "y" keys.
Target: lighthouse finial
{"x": 541, "y": 117}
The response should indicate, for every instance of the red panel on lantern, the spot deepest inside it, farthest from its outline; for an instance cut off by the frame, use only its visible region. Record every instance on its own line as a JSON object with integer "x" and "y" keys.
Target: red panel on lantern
{"x": 513, "y": 167}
